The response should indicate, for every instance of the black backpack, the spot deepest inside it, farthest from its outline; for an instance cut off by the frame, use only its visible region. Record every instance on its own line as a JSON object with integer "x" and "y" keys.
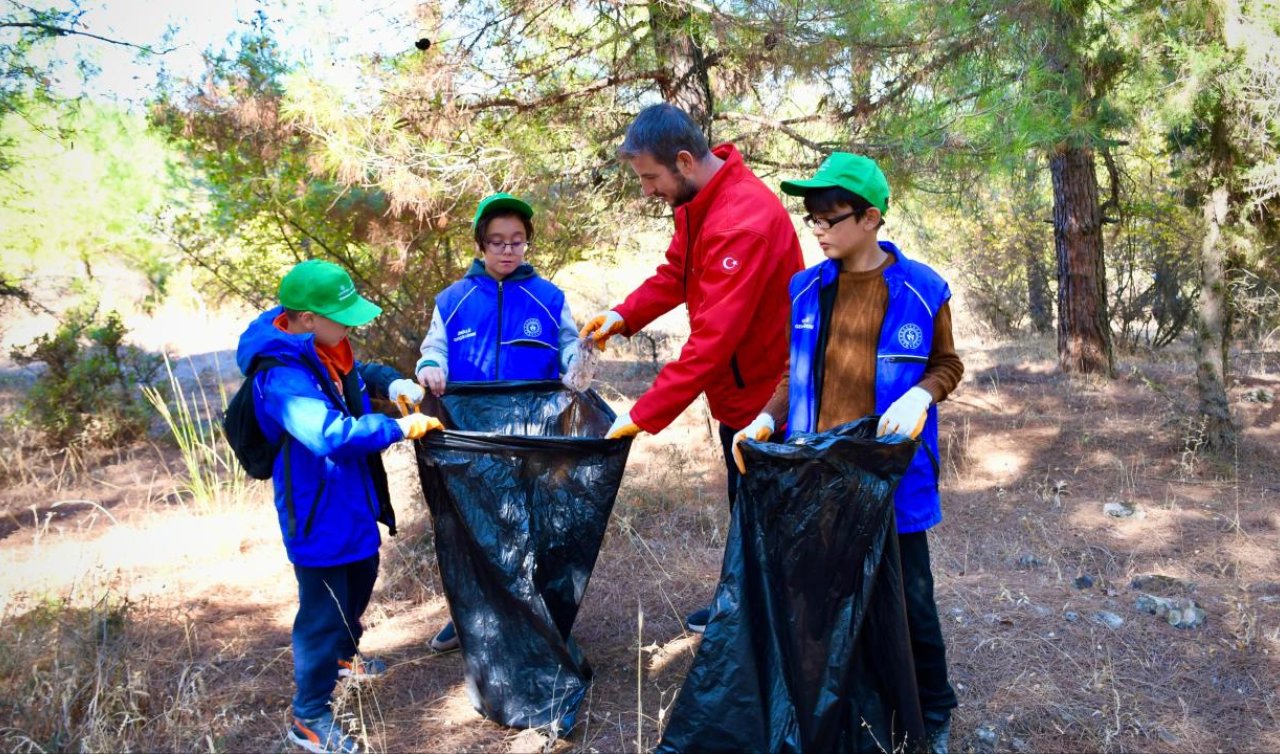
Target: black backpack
{"x": 254, "y": 452}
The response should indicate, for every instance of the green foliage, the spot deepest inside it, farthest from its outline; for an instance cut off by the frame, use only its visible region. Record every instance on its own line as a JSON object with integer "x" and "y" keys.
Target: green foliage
{"x": 80, "y": 202}
{"x": 88, "y": 393}
{"x": 294, "y": 168}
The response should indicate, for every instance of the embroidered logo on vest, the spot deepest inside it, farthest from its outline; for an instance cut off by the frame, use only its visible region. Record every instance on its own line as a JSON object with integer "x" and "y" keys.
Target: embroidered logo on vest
{"x": 806, "y": 323}
{"x": 910, "y": 336}
{"x": 532, "y": 328}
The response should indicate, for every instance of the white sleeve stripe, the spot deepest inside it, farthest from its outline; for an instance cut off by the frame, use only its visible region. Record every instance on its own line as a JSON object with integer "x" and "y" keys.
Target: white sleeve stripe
{"x": 459, "y": 306}
{"x": 539, "y": 303}
{"x": 807, "y": 287}
{"x": 922, "y": 301}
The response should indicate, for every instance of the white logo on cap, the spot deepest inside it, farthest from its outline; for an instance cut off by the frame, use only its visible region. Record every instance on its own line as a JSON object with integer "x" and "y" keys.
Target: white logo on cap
{"x": 347, "y": 292}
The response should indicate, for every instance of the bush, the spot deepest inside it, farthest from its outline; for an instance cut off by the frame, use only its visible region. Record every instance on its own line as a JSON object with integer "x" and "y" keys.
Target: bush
{"x": 88, "y": 394}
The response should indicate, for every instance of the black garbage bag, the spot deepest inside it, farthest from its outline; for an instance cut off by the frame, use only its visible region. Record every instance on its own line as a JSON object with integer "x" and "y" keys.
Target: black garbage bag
{"x": 807, "y": 647}
{"x": 520, "y": 487}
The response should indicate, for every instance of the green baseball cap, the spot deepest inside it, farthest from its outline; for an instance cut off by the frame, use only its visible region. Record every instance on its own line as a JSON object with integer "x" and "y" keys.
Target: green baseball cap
{"x": 851, "y": 172}
{"x": 501, "y": 201}
{"x": 326, "y": 289}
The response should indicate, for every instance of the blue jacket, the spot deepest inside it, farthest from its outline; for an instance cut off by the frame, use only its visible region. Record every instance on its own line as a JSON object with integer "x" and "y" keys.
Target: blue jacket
{"x": 515, "y": 329}
{"x": 916, "y": 293}
{"x": 328, "y": 467}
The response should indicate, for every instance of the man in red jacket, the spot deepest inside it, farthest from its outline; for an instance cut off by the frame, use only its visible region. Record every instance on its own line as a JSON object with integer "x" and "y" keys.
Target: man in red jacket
{"x": 733, "y": 252}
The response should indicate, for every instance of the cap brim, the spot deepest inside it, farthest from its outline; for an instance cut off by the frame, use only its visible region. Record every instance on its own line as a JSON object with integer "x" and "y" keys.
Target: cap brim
{"x": 511, "y": 203}
{"x": 361, "y": 312}
{"x": 800, "y": 188}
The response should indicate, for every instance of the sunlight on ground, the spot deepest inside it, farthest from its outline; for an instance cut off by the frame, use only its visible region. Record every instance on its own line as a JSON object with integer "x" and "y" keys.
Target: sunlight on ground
{"x": 661, "y": 655}
{"x": 173, "y": 551}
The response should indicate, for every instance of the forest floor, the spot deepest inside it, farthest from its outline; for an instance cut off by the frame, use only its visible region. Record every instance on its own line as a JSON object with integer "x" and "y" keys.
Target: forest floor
{"x": 133, "y": 618}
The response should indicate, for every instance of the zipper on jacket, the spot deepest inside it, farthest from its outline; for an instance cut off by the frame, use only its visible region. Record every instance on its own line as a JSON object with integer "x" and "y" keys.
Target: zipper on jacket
{"x": 737, "y": 373}
{"x": 497, "y": 348}
{"x": 895, "y": 358}
{"x": 315, "y": 506}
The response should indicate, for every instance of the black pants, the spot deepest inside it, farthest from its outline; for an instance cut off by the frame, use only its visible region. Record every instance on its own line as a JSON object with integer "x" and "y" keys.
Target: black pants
{"x": 327, "y": 628}
{"x": 726, "y": 443}
{"x": 937, "y": 698}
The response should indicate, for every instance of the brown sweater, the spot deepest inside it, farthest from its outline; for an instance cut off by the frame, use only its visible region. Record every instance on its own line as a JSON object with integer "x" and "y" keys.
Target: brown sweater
{"x": 849, "y": 376}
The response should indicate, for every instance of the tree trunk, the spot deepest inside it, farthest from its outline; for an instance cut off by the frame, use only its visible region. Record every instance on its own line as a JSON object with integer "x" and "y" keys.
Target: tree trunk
{"x": 678, "y": 46}
{"x": 1211, "y": 323}
{"x": 1039, "y": 305}
{"x": 1084, "y": 327}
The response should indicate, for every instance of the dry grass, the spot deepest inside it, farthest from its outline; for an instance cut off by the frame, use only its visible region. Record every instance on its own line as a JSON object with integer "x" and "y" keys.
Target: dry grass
{"x": 132, "y": 623}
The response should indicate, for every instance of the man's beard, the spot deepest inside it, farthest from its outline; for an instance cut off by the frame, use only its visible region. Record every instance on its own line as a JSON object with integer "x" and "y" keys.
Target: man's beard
{"x": 685, "y": 191}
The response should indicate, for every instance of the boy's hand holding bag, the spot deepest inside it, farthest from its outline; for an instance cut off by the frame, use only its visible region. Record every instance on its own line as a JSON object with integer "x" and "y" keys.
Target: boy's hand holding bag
{"x": 906, "y": 415}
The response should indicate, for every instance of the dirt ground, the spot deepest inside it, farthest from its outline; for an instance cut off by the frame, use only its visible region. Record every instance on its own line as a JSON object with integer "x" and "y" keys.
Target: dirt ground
{"x": 132, "y": 618}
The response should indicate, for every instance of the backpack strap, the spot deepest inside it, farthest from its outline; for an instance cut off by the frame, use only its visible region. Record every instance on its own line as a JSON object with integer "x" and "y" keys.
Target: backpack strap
{"x": 262, "y": 364}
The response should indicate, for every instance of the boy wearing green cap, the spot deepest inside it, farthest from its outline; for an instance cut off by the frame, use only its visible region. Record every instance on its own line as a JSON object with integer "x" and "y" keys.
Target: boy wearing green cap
{"x": 871, "y": 334}
{"x": 311, "y": 401}
{"x": 502, "y": 321}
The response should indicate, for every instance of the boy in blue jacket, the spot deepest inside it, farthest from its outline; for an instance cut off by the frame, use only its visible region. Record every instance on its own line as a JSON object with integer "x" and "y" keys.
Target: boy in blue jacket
{"x": 330, "y": 486}
{"x": 502, "y": 321}
{"x": 871, "y": 334}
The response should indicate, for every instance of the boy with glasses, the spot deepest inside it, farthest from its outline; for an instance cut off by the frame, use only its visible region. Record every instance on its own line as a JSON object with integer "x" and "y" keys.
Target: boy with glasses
{"x": 499, "y": 322}
{"x": 871, "y": 334}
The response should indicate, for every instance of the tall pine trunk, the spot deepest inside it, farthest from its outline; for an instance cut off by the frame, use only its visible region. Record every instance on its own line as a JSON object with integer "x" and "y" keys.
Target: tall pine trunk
{"x": 679, "y": 49}
{"x": 1084, "y": 329}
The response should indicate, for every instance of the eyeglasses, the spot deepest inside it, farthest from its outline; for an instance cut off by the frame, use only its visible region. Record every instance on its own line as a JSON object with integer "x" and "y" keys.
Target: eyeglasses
{"x": 825, "y": 223}
{"x": 514, "y": 247}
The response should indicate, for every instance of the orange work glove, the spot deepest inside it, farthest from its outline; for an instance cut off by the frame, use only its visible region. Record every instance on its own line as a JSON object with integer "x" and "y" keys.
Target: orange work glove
{"x": 602, "y": 327}
{"x": 416, "y": 425}
{"x": 761, "y": 428}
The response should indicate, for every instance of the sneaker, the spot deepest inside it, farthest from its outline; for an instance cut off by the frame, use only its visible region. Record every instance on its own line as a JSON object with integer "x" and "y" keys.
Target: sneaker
{"x": 361, "y": 668}
{"x": 446, "y": 640}
{"x": 697, "y": 620}
{"x": 322, "y": 735}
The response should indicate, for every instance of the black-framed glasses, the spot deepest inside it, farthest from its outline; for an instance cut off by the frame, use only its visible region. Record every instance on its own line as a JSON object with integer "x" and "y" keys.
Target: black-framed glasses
{"x": 825, "y": 223}
{"x": 512, "y": 247}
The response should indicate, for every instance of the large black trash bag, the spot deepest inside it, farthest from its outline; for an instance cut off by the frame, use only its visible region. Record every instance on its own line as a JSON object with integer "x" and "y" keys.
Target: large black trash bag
{"x": 520, "y": 488}
{"x": 807, "y": 647}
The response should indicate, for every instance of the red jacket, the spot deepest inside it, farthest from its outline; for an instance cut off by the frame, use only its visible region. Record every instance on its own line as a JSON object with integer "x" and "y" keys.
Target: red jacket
{"x": 732, "y": 255}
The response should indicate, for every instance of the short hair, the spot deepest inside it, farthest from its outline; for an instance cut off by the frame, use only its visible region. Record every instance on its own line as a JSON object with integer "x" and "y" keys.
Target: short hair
{"x": 827, "y": 199}
{"x": 662, "y": 131}
{"x": 292, "y": 314}
{"x": 482, "y": 227}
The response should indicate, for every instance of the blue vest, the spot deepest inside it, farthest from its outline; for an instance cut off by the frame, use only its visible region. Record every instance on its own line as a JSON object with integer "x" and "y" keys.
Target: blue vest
{"x": 906, "y": 337}
{"x": 507, "y": 330}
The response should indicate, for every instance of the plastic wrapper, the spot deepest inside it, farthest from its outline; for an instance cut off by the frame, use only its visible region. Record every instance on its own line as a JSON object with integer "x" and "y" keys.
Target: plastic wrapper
{"x": 807, "y": 647}
{"x": 520, "y": 488}
{"x": 582, "y": 372}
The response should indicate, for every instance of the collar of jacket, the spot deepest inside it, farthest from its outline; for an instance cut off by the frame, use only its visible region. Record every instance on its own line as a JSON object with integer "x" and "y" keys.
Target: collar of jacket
{"x": 523, "y": 272}
{"x": 729, "y": 173}
{"x": 893, "y": 274}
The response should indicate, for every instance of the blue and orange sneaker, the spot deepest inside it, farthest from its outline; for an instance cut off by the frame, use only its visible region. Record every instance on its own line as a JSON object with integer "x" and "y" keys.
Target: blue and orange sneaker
{"x": 361, "y": 668}
{"x": 322, "y": 735}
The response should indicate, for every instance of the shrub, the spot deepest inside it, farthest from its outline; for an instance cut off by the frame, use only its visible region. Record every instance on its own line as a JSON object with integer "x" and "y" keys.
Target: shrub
{"x": 88, "y": 393}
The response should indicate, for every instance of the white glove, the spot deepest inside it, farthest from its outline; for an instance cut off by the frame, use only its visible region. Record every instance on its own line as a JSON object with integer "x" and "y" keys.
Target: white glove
{"x": 760, "y": 428}
{"x": 434, "y": 378}
{"x": 906, "y": 415}
{"x": 622, "y": 427}
{"x": 408, "y": 389}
